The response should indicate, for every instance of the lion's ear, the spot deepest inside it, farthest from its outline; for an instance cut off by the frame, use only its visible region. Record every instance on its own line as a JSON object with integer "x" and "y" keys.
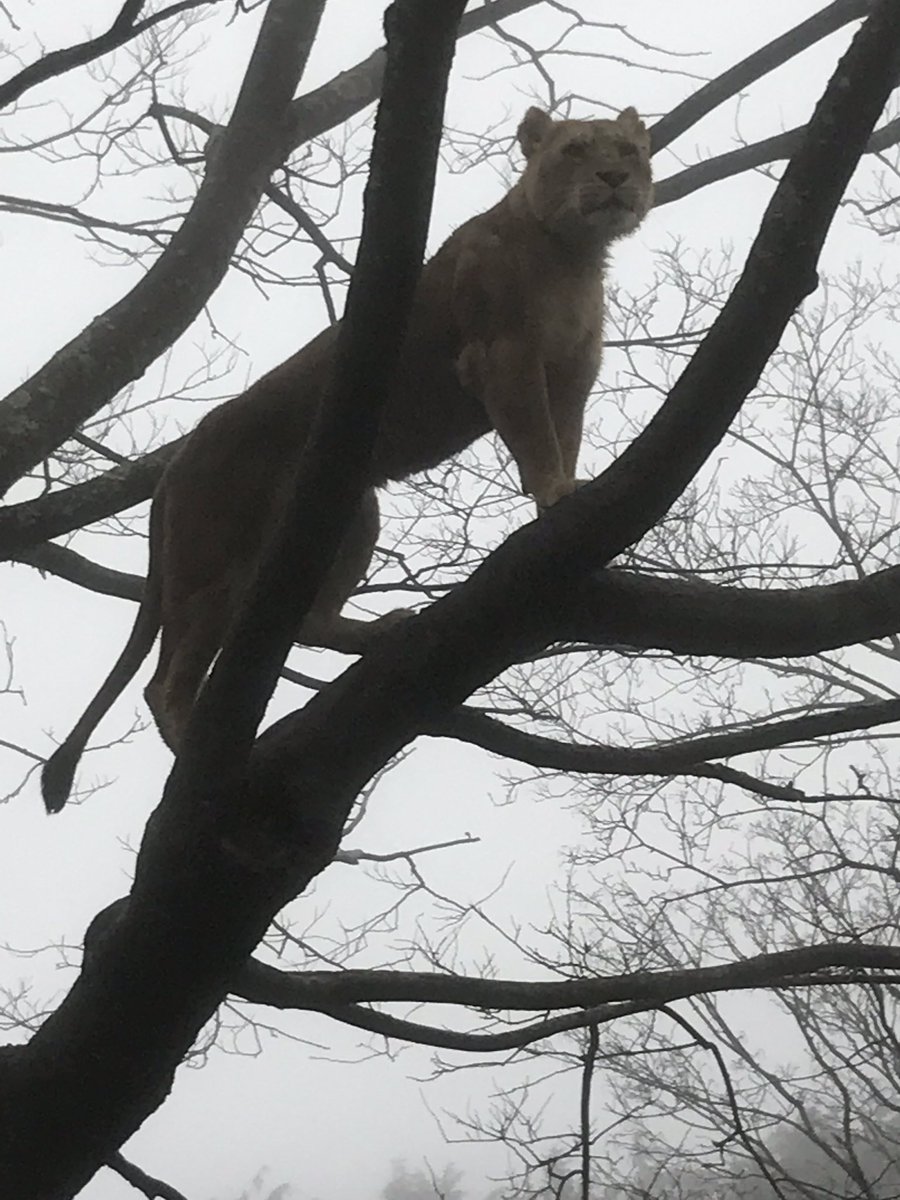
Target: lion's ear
{"x": 534, "y": 127}
{"x": 632, "y": 124}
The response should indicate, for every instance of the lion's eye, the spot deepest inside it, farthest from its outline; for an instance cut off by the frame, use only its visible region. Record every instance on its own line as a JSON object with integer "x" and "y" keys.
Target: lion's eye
{"x": 627, "y": 149}
{"x": 576, "y": 150}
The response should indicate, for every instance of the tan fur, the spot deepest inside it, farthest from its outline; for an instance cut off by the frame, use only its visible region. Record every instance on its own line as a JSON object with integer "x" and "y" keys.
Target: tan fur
{"x": 505, "y": 333}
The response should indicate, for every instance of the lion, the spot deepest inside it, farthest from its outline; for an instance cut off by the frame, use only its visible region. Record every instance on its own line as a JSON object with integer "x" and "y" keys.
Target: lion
{"x": 505, "y": 333}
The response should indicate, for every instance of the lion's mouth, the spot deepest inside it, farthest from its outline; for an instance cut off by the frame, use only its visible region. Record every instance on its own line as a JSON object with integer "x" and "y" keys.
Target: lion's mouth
{"x": 609, "y": 204}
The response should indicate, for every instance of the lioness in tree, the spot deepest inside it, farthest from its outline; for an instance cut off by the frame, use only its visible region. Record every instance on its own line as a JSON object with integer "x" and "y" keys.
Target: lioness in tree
{"x": 505, "y": 333}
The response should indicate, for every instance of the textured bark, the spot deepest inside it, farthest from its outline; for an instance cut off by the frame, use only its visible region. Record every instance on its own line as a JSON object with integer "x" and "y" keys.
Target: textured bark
{"x": 342, "y": 994}
{"x": 314, "y": 990}
{"x": 691, "y": 617}
{"x": 355, "y": 89}
{"x": 644, "y": 612}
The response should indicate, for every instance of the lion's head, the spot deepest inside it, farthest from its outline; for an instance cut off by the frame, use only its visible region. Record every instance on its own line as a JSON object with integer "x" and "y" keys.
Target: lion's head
{"x": 586, "y": 180}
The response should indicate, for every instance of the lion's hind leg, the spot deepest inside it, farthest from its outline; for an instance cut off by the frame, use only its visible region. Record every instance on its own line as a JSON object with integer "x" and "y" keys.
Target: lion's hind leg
{"x": 324, "y": 624}
{"x": 192, "y": 635}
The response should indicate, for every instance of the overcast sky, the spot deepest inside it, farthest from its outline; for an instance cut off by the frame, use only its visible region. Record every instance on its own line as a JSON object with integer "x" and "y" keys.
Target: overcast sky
{"x": 328, "y": 1127}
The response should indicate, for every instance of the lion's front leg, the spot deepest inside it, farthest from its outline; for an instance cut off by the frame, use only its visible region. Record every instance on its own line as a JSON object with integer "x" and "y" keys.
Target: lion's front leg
{"x": 509, "y": 378}
{"x": 568, "y": 388}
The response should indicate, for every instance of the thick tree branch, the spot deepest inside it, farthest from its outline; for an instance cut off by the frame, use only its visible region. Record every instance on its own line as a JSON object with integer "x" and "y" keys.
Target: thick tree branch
{"x": 32, "y": 522}
{"x": 331, "y": 991}
{"x": 644, "y": 612}
{"x": 689, "y": 616}
{"x": 334, "y": 464}
{"x": 625, "y": 608}
{"x": 353, "y": 90}
{"x": 767, "y": 58}
{"x": 414, "y": 676}
{"x": 67, "y": 564}
{"x": 745, "y": 158}
{"x": 118, "y": 346}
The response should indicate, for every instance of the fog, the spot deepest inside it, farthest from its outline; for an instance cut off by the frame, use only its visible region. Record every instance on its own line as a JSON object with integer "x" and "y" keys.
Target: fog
{"x": 322, "y": 1107}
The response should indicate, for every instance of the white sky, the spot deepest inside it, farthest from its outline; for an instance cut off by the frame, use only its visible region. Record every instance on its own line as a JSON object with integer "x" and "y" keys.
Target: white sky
{"x": 330, "y": 1129}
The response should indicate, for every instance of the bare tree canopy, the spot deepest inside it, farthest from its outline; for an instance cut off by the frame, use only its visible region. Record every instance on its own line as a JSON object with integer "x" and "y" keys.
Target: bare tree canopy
{"x": 724, "y": 587}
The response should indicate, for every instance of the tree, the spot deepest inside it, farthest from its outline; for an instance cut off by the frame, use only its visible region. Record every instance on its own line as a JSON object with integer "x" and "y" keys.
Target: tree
{"x": 417, "y": 1185}
{"x": 244, "y": 826}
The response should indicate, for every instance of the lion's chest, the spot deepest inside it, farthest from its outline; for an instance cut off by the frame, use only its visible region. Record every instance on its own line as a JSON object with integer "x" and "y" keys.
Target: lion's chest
{"x": 568, "y": 318}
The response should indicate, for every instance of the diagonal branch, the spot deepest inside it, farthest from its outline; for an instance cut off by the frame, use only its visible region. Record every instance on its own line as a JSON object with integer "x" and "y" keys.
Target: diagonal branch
{"x": 773, "y": 149}
{"x": 118, "y": 346}
{"x": 767, "y": 58}
{"x": 355, "y": 89}
{"x": 32, "y": 522}
{"x": 124, "y": 28}
{"x": 105, "y": 1059}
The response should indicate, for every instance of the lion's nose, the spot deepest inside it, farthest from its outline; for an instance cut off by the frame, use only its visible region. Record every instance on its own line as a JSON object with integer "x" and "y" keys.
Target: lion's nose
{"x": 612, "y": 178}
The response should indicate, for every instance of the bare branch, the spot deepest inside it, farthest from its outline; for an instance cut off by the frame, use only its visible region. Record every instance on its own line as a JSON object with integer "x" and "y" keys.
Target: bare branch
{"x": 739, "y": 1129}
{"x": 355, "y": 89}
{"x": 688, "y": 756}
{"x": 263, "y": 984}
{"x": 153, "y": 1189}
{"x": 691, "y": 616}
{"x": 734, "y": 162}
{"x": 26, "y": 525}
{"x": 777, "y": 52}
{"x": 124, "y": 28}
{"x": 119, "y": 345}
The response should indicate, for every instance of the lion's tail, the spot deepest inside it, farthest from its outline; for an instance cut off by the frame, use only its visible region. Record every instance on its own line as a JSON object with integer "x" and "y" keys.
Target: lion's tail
{"x": 59, "y": 769}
